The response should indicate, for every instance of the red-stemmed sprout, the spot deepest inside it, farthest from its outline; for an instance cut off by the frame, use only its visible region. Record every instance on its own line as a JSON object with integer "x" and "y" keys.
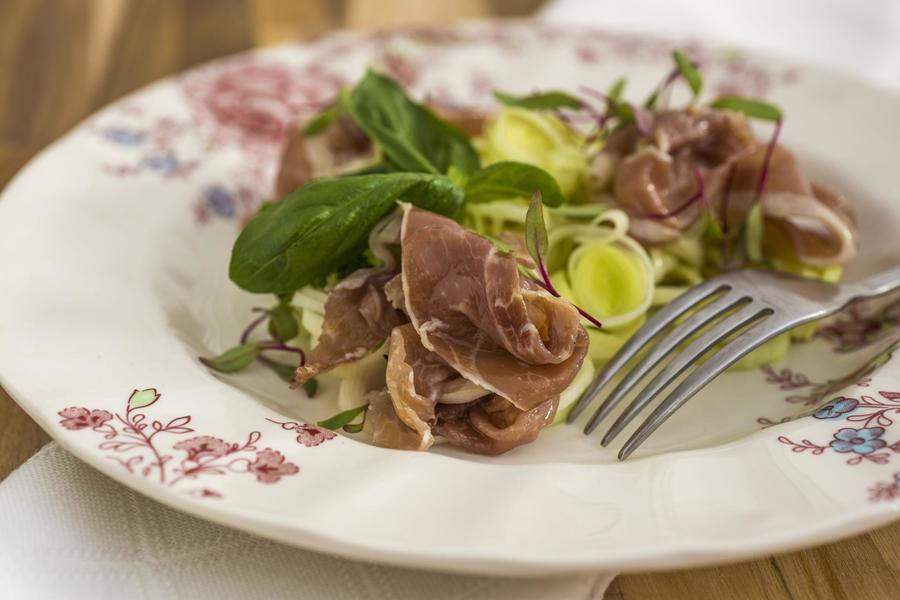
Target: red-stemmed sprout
{"x": 536, "y": 241}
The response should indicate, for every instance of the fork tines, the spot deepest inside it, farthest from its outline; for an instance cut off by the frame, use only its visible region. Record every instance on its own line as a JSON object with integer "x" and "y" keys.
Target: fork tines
{"x": 721, "y": 311}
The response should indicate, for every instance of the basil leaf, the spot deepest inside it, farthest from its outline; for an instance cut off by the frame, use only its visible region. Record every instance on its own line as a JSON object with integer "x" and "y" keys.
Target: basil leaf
{"x": 412, "y": 136}
{"x": 311, "y": 386}
{"x": 343, "y": 419}
{"x": 282, "y": 323}
{"x": 540, "y": 100}
{"x": 615, "y": 91}
{"x": 325, "y": 224}
{"x": 327, "y": 116}
{"x": 535, "y": 230}
{"x": 509, "y": 179}
{"x": 233, "y": 359}
{"x": 689, "y": 72}
{"x": 755, "y": 109}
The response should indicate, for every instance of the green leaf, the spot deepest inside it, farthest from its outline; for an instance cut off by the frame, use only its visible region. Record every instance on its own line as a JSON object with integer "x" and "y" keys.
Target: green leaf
{"x": 409, "y": 133}
{"x": 689, "y": 72}
{"x": 535, "y": 230}
{"x": 750, "y": 107}
{"x": 509, "y": 179}
{"x": 540, "y": 100}
{"x": 325, "y": 225}
{"x": 282, "y": 322}
{"x": 142, "y": 398}
{"x": 615, "y": 91}
{"x": 753, "y": 233}
{"x": 344, "y": 420}
{"x": 311, "y": 386}
{"x": 233, "y": 359}
{"x": 285, "y": 372}
{"x": 327, "y": 116}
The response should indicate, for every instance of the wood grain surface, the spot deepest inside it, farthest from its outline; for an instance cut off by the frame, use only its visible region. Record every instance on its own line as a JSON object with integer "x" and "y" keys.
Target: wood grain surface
{"x": 60, "y": 60}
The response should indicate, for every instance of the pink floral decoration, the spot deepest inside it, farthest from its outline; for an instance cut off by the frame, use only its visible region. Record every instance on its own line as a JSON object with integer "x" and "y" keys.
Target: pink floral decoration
{"x": 270, "y": 466}
{"x": 81, "y": 418}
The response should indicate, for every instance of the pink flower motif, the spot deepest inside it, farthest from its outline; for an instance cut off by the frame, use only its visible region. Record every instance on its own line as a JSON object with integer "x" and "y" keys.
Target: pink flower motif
{"x": 81, "y": 418}
{"x": 203, "y": 446}
{"x": 270, "y": 466}
{"x": 310, "y": 435}
{"x": 259, "y": 101}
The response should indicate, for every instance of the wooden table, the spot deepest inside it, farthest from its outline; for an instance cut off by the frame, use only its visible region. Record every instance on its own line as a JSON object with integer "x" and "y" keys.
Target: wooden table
{"x": 60, "y": 60}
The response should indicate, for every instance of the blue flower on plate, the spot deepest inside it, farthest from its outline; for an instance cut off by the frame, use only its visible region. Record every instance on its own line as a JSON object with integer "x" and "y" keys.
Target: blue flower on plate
{"x": 836, "y": 408}
{"x": 220, "y": 200}
{"x": 167, "y": 163}
{"x": 126, "y": 137}
{"x": 860, "y": 441}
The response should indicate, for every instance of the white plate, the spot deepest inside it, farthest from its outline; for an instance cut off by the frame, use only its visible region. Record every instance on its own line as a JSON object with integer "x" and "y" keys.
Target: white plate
{"x": 114, "y": 245}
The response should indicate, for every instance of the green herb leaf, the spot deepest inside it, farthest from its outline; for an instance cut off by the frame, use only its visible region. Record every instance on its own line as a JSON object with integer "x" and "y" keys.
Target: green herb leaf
{"x": 325, "y": 224}
{"x": 755, "y": 109}
{"x": 344, "y": 420}
{"x": 233, "y": 359}
{"x": 327, "y": 116}
{"x": 311, "y": 386}
{"x": 412, "y": 136}
{"x": 142, "y": 398}
{"x": 688, "y": 72}
{"x": 540, "y": 100}
{"x": 510, "y": 179}
{"x": 285, "y": 372}
{"x": 282, "y": 323}
{"x": 535, "y": 230}
{"x": 753, "y": 233}
{"x": 615, "y": 91}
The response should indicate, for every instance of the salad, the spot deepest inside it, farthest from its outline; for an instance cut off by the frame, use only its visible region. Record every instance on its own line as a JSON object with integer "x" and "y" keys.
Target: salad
{"x": 464, "y": 274}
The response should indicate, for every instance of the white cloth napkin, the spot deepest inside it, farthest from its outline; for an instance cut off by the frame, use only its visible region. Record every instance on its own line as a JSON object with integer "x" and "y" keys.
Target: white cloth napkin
{"x": 69, "y": 532}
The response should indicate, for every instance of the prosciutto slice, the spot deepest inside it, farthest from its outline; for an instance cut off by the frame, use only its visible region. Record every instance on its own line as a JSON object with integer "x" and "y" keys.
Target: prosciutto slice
{"x": 358, "y": 317}
{"x": 342, "y": 146}
{"x": 803, "y": 220}
{"x": 493, "y": 427}
{"x": 415, "y": 380}
{"x": 469, "y": 305}
{"x": 654, "y": 175}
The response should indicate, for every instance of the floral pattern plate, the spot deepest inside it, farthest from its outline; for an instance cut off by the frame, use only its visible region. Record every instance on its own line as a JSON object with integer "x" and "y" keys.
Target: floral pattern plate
{"x": 114, "y": 243}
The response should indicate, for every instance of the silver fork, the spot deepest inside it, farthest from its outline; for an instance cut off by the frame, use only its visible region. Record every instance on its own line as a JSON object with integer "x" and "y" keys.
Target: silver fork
{"x": 758, "y": 304}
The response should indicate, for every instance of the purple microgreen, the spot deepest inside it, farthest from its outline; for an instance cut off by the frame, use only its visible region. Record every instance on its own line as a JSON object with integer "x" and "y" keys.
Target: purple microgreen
{"x": 688, "y": 71}
{"x": 344, "y": 420}
{"x": 233, "y": 359}
{"x": 311, "y": 386}
{"x": 283, "y": 324}
{"x": 767, "y": 159}
{"x": 245, "y": 335}
{"x": 285, "y": 372}
{"x": 652, "y": 100}
{"x": 616, "y": 89}
{"x": 749, "y": 107}
{"x": 536, "y": 240}
{"x": 729, "y": 180}
{"x": 549, "y": 100}
{"x": 275, "y": 345}
{"x": 698, "y": 196}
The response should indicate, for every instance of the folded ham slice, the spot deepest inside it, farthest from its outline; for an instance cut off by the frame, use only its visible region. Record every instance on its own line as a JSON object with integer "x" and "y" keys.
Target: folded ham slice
{"x": 653, "y": 175}
{"x": 358, "y": 318}
{"x": 470, "y": 305}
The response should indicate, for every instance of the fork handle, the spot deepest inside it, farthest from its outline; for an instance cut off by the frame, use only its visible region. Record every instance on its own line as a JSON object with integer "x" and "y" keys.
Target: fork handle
{"x": 878, "y": 285}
